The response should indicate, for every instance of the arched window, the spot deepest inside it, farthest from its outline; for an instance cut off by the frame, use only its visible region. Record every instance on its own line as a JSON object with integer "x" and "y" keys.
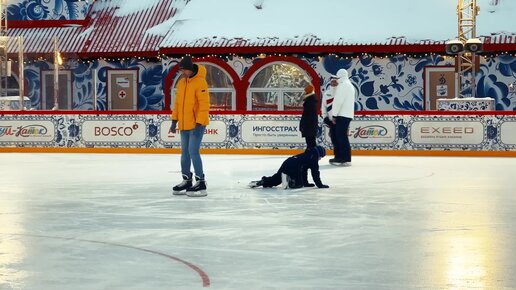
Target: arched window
{"x": 277, "y": 86}
{"x": 222, "y": 91}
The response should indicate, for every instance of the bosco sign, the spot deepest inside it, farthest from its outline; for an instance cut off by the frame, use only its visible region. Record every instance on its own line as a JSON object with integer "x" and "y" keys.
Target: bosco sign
{"x": 114, "y": 131}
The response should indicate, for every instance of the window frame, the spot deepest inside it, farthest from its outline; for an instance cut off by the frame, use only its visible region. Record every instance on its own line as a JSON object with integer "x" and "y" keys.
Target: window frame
{"x": 281, "y": 91}
{"x": 231, "y": 90}
{"x": 69, "y": 88}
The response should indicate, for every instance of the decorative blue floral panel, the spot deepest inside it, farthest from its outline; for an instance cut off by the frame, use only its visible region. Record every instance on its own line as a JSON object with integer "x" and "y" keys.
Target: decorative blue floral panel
{"x": 47, "y": 9}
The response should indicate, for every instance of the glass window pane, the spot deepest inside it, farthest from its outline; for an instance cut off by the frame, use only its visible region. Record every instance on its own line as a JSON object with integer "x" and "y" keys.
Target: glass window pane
{"x": 280, "y": 75}
{"x": 293, "y": 101}
{"x": 263, "y": 101}
{"x": 216, "y": 77}
{"x": 48, "y": 95}
{"x": 13, "y": 88}
{"x": 221, "y": 101}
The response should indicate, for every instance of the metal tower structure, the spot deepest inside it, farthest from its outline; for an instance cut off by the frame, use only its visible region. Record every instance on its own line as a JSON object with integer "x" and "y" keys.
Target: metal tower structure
{"x": 3, "y": 48}
{"x": 467, "y": 10}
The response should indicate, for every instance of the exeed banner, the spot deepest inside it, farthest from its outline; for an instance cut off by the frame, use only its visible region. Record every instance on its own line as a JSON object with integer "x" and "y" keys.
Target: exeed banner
{"x": 447, "y": 132}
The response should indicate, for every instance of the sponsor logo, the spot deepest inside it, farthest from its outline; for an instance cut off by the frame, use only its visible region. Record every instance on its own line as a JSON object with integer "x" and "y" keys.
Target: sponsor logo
{"x": 373, "y": 131}
{"x": 446, "y": 133}
{"x": 115, "y": 130}
{"x": 447, "y": 130}
{"x": 275, "y": 129}
{"x": 206, "y": 132}
{"x": 24, "y": 131}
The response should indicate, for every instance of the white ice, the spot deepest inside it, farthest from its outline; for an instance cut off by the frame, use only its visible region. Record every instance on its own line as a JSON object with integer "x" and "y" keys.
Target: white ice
{"x": 109, "y": 221}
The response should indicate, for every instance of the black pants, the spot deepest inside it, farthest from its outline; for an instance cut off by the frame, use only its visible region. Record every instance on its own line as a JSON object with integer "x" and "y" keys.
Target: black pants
{"x": 310, "y": 141}
{"x": 343, "y": 147}
{"x": 332, "y": 138}
{"x": 270, "y": 181}
{"x": 298, "y": 178}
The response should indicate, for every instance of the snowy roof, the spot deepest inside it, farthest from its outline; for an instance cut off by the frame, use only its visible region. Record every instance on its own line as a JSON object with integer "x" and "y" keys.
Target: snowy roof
{"x": 136, "y": 27}
{"x": 120, "y": 26}
{"x": 117, "y": 28}
{"x": 262, "y": 23}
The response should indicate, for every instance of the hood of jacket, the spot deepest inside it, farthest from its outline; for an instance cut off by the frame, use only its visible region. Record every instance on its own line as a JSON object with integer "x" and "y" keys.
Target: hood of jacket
{"x": 342, "y": 75}
{"x": 201, "y": 72}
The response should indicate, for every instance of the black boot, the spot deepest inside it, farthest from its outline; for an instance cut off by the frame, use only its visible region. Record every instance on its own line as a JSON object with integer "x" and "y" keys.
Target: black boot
{"x": 181, "y": 187}
{"x": 198, "y": 189}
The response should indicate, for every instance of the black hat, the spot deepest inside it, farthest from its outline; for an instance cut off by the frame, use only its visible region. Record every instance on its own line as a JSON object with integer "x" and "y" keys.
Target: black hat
{"x": 186, "y": 63}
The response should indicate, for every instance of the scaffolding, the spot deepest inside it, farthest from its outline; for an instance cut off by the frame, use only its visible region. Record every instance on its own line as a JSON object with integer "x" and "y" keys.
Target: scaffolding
{"x": 467, "y": 10}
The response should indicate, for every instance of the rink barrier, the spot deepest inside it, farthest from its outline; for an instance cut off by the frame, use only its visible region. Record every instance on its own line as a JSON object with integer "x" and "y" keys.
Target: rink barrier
{"x": 371, "y": 133}
{"x": 260, "y": 152}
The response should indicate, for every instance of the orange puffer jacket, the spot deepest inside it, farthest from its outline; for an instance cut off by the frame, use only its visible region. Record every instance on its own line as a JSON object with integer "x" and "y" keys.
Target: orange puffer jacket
{"x": 192, "y": 104}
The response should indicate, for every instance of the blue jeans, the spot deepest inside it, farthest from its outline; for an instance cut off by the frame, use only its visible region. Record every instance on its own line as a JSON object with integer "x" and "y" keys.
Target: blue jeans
{"x": 190, "y": 145}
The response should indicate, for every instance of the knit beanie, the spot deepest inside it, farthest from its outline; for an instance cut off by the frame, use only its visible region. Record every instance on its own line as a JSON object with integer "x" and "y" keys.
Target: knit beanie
{"x": 186, "y": 63}
{"x": 321, "y": 151}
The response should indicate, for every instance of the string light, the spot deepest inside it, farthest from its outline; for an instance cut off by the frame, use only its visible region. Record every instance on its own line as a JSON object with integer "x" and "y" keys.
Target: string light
{"x": 253, "y": 57}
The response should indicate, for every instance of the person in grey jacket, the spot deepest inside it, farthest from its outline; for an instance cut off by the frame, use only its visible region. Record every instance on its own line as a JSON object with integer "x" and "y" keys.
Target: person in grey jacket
{"x": 342, "y": 112}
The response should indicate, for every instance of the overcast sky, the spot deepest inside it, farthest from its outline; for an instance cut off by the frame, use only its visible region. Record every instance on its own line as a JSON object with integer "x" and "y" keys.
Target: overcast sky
{"x": 357, "y": 21}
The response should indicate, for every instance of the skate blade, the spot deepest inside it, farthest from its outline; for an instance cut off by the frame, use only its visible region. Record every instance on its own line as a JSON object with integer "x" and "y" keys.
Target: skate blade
{"x": 200, "y": 193}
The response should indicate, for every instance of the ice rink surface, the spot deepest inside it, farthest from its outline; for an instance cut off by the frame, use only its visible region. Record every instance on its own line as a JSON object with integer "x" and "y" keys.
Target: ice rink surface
{"x": 109, "y": 221}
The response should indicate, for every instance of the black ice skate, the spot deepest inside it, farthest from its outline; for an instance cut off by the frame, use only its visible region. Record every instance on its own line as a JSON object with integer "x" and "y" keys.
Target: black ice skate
{"x": 181, "y": 188}
{"x": 340, "y": 162}
{"x": 199, "y": 188}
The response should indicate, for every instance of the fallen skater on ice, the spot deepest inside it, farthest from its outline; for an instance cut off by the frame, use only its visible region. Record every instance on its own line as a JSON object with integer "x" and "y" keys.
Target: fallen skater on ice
{"x": 293, "y": 172}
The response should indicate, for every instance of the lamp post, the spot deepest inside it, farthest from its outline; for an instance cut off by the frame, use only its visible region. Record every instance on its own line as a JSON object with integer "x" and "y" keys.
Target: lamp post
{"x": 58, "y": 60}
{"x": 21, "y": 73}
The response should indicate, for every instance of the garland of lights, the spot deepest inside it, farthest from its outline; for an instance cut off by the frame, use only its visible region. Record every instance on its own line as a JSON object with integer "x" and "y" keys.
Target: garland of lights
{"x": 227, "y": 57}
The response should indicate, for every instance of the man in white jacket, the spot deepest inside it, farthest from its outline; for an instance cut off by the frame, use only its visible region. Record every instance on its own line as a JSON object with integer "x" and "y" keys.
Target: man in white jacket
{"x": 343, "y": 111}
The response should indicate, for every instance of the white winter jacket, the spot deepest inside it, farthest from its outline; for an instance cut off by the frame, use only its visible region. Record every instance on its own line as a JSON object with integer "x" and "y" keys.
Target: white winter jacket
{"x": 344, "y": 98}
{"x": 327, "y": 103}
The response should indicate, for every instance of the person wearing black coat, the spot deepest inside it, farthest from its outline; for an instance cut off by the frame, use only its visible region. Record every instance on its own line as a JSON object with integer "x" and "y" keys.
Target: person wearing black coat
{"x": 309, "y": 119}
{"x": 293, "y": 172}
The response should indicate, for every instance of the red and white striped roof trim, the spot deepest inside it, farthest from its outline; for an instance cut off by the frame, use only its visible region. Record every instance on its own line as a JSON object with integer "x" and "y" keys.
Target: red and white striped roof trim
{"x": 41, "y": 40}
{"x": 126, "y": 34}
{"x": 314, "y": 41}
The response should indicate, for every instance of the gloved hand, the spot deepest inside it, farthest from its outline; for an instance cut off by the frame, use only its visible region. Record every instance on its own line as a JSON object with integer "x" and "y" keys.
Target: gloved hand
{"x": 173, "y": 127}
{"x": 327, "y": 121}
{"x": 323, "y": 186}
{"x": 309, "y": 185}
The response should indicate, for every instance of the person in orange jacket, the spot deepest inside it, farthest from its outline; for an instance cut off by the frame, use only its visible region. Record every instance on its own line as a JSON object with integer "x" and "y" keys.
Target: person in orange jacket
{"x": 191, "y": 116}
